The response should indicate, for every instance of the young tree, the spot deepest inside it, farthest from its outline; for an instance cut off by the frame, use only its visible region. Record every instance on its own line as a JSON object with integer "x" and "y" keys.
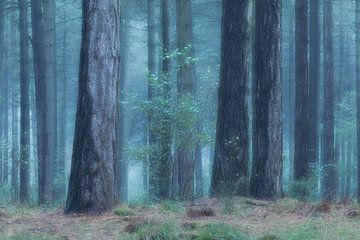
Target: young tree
{"x": 24, "y": 105}
{"x": 230, "y": 167}
{"x": 329, "y": 163}
{"x": 92, "y": 185}
{"x": 185, "y": 88}
{"x": 267, "y": 139}
{"x": 301, "y": 155}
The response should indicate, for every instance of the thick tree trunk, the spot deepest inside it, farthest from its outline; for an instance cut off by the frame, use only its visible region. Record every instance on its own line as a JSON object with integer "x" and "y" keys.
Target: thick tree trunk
{"x": 330, "y": 173}
{"x": 92, "y": 185}
{"x": 185, "y": 88}
{"x": 301, "y": 155}
{"x": 266, "y": 179}
{"x": 24, "y": 105}
{"x": 43, "y": 106}
{"x": 314, "y": 80}
{"x": 165, "y": 136}
{"x": 230, "y": 167}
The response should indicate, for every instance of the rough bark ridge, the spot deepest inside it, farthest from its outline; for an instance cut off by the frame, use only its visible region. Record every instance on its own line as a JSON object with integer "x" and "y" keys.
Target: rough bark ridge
{"x": 301, "y": 154}
{"x": 230, "y": 168}
{"x": 24, "y": 105}
{"x": 329, "y": 163}
{"x": 91, "y": 187}
{"x": 267, "y": 138}
{"x": 185, "y": 88}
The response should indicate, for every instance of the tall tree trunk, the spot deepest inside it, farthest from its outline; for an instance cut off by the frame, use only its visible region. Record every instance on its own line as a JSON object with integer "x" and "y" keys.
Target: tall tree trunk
{"x": 152, "y": 137}
{"x": 301, "y": 155}
{"x": 314, "y": 79}
{"x": 2, "y": 100}
{"x": 358, "y": 93}
{"x": 121, "y": 178}
{"x": 43, "y": 105}
{"x": 50, "y": 57}
{"x": 92, "y": 185}
{"x": 230, "y": 168}
{"x": 185, "y": 88}
{"x": 266, "y": 179}
{"x": 165, "y": 137}
{"x": 14, "y": 113}
{"x": 329, "y": 180}
{"x": 24, "y": 105}
{"x": 348, "y": 167}
{"x": 61, "y": 156}
{"x": 6, "y": 96}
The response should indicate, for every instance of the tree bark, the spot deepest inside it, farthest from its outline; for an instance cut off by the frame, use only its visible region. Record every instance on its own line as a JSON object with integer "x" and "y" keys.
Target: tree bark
{"x": 330, "y": 173}
{"x": 301, "y": 155}
{"x": 266, "y": 178}
{"x": 43, "y": 105}
{"x": 314, "y": 80}
{"x": 230, "y": 167}
{"x": 24, "y": 105}
{"x": 185, "y": 88}
{"x": 358, "y": 93}
{"x": 92, "y": 185}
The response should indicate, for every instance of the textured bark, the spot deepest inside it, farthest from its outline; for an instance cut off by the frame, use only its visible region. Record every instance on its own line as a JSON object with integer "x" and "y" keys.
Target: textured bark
{"x": 185, "y": 88}
{"x": 2, "y": 19}
{"x": 314, "y": 80}
{"x": 301, "y": 154}
{"x": 266, "y": 178}
{"x": 165, "y": 138}
{"x": 43, "y": 106}
{"x": 357, "y": 22}
{"x": 92, "y": 186}
{"x": 230, "y": 167}
{"x": 330, "y": 172}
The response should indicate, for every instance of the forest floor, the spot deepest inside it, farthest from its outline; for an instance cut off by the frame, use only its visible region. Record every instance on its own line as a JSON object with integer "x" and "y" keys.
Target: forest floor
{"x": 225, "y": 219}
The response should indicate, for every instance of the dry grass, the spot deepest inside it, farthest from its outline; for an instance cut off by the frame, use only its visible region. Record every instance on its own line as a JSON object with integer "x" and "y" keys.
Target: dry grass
{"x": 287, "y": 219}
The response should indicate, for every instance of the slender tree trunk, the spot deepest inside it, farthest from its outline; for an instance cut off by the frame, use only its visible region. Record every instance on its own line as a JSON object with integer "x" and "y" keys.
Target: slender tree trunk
{"x": 92, "y": 185}
{"x": 6, "y": 96}
{"x": 165, "y": 137}
{"x": 2, "y": 100}
{"x": 266, "y": 179}
{"x": 230, "y": 168}
{"x": 330, "y": 173}
{"x": 61, "y": 156}
{"x": 43, "y": 105}
{"x": 49, "y": 14}
{"x": 14, "y": 113}
{"x": 358, "y": 93}
{"x": 301, "y": 155}
{"x": 24, "y": 105}
{"x": 185, "y": 88}
{"x": 348, "y": 171}
{"x": 314, "y": 79}
{"x": 152, "y": 136}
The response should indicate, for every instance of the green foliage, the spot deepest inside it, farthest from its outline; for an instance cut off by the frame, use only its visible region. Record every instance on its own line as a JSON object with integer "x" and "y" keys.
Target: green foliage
{"x": 171, "y": 206}
{"x": 124, "y": 212}
{"x": 303, "y": 190}
{"x": 220, "y": 232}
{"x": 156, "y": 231}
